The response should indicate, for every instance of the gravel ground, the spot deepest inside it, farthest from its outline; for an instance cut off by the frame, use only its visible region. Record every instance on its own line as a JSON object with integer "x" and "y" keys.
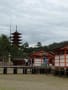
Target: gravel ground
{"x": 32, "y": 82}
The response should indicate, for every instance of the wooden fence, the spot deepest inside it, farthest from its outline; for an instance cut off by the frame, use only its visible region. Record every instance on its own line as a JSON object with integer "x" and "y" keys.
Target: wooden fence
{"x": 25, "y": 69}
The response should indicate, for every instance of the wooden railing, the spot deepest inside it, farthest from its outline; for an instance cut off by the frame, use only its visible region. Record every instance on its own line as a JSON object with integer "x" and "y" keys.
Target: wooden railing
{"x": 25, "y": 69}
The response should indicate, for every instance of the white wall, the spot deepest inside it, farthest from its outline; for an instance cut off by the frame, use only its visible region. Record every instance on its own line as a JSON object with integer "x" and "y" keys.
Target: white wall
{"x": 59, "y": 61}
{"x": 37, "y": 62}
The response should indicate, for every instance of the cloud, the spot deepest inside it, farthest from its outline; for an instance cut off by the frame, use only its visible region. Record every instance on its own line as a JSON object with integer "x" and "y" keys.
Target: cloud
{"x": 38, "y": 20}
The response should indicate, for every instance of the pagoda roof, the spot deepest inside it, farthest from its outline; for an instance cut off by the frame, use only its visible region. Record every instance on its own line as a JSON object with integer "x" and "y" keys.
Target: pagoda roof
{"x": 16, "y": 33}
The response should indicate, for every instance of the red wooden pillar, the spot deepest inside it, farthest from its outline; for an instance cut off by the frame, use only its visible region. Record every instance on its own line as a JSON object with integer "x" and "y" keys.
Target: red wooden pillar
{"x": 41, "y": 59}
{"x": 59, "y": 59}
{"x": 65, "y": 57}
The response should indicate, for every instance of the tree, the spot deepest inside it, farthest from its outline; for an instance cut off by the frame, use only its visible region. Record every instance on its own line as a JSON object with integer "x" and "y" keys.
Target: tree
{"x": 4, "y": 46}
{"x": 26, "y": 45}
{"x": 39, "y": 44}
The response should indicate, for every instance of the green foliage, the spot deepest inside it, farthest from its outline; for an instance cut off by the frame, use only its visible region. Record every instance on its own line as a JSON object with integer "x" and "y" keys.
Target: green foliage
{"x": 57, "y": 45}
{"x": 39, "y": 44}
{"x": 24, "y": 51}
{"x": 4, "y": 47}
{"x": 26, "y": 45}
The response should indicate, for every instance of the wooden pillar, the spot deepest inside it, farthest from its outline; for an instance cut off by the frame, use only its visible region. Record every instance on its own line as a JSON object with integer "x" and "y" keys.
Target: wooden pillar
{"x": 60, "y": 74}
{"x": 5, "y": 70}
{"x": 65, "y": 71}
{"x": 59, "y": 59}
{"x": 55, "y": 72}
{"x": 33, "y": 70}
{"x": 24, "y": 70}
{"x": 40, "y": 71}
{"x": 15, "y": 70}
{"x": 65, "y": 57}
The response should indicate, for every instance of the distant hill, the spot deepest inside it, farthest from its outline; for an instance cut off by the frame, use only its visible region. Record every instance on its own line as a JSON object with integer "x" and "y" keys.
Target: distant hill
{"x": 57, "y": 45}
{"x": 50, "y": 47}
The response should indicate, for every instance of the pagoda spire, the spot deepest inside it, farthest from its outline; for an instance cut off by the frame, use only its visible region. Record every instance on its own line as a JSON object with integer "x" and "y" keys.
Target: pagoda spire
{"x": 16, "y": 28}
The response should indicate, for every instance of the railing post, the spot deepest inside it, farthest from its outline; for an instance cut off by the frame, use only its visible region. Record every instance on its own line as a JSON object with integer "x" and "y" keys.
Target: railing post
{"x": 5, "y": 70}
{"x": 24, "y": 70}
{"x": 33, "y": 70}
{"x": 15, "y": 70}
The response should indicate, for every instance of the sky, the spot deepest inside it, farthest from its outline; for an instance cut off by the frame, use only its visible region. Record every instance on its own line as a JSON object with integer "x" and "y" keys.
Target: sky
{"x": 44, "y": 21}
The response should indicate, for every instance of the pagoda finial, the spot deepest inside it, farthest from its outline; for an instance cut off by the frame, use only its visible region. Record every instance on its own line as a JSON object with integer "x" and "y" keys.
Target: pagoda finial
{"x": 16, "y": 28}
